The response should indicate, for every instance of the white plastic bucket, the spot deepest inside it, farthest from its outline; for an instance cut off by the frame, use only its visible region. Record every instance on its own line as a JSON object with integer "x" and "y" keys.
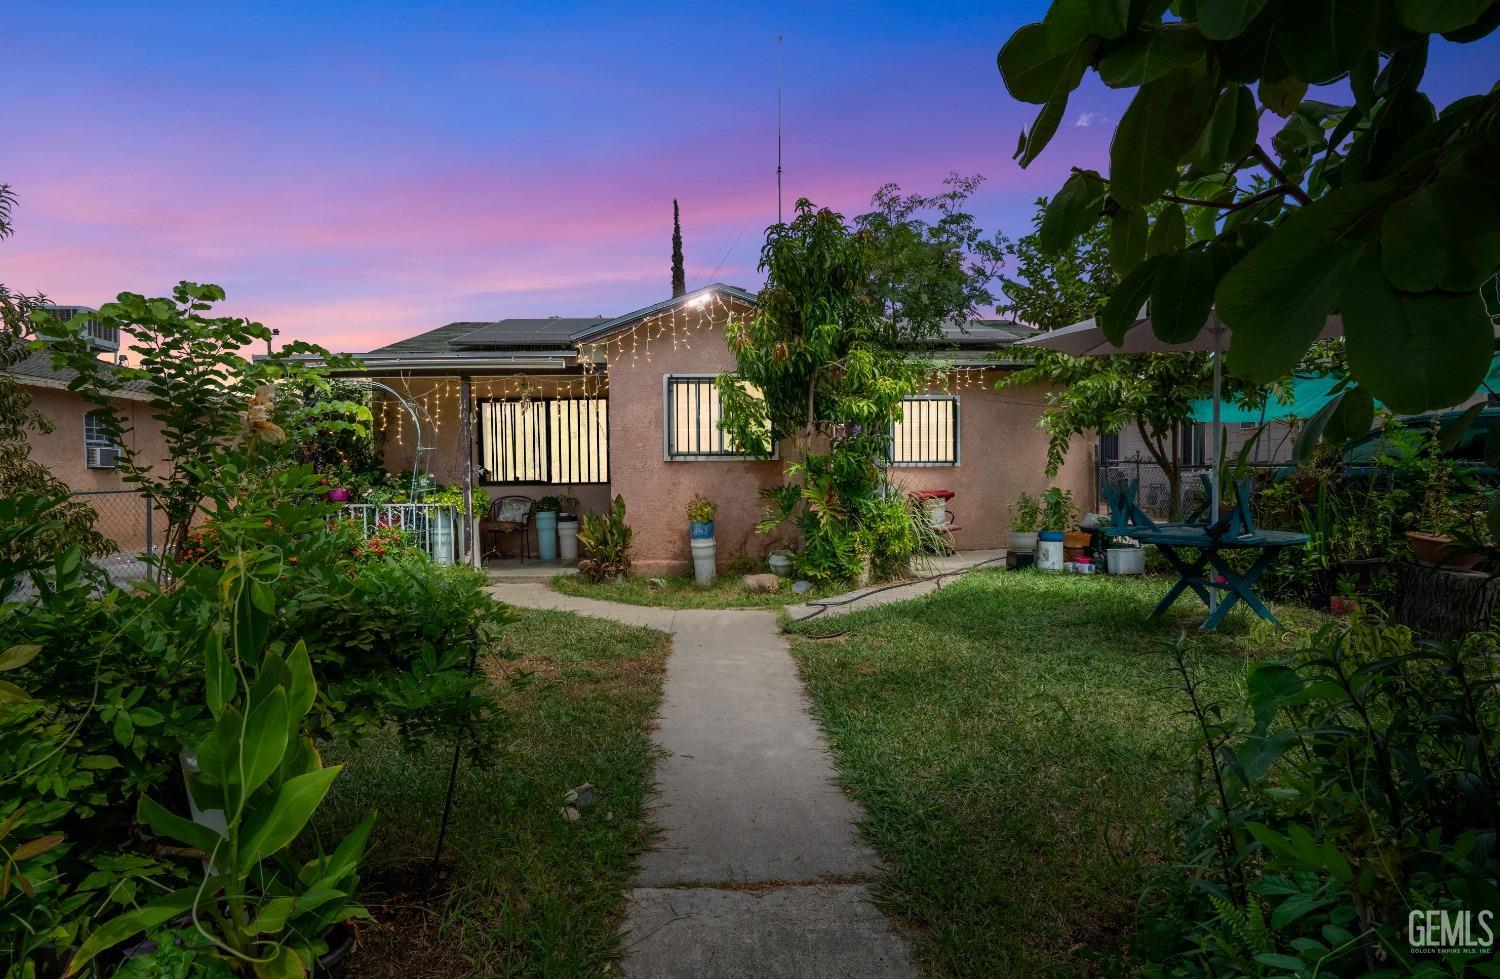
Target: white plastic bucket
{"x": 1049, "y": 555}
{"x": 1126, "y": 560}
{"x": 567, "y": 540}
{"x": 703, "y": 561}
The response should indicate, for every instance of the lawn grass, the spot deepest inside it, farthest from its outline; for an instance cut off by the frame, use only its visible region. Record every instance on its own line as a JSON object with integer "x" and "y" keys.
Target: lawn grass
{"x": 1017, "y": 743}
{"x": 680, "y": 591}
{"x": 529, "y": 893}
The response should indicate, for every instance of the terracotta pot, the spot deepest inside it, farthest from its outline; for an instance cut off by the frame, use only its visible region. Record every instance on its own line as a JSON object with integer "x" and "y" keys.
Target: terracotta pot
{"x": 1434, "y": 550}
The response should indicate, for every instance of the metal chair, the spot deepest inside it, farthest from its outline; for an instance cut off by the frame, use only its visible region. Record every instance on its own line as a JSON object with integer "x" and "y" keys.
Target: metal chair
{"x": 509, "y": 515}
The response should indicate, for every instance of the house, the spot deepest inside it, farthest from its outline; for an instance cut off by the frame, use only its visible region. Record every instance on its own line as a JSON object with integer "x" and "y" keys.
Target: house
{"x": 77, "y": 451}
{"x": 598, "y": 406}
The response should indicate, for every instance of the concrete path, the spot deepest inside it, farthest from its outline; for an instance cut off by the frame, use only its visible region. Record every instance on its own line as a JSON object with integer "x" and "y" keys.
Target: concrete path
{"x": 759, "y": 870}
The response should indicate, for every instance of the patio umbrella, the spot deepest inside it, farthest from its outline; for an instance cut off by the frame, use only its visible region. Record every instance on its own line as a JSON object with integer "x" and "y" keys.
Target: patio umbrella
{"x": 1086, "y": 339}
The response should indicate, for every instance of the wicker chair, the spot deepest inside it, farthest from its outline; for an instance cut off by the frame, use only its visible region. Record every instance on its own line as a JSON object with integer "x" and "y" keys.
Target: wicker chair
{"x": 509, "y": 515}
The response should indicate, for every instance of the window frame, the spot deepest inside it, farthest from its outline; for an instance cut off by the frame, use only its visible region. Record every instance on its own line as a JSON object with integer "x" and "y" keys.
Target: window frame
{"x": 99, "y": 440}
{"x": 666, "y": 429}
{"x": 546, "y": 443}
{"x": 958, "y": 441}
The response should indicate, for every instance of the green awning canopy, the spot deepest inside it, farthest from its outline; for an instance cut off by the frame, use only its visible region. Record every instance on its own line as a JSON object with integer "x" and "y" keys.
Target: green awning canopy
{"x": 1309, "y": 395}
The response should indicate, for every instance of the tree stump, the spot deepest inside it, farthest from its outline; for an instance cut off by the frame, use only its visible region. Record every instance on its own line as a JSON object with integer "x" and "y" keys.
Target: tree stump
{"x": 1444, "y": 604}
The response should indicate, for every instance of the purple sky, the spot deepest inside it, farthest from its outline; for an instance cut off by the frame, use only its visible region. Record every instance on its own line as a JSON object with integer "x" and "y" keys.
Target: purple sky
{"x": 352, "y": 174}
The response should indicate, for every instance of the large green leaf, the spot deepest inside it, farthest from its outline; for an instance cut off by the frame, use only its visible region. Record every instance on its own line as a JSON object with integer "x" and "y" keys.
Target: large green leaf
{"x": 1123, "y": 307}
{"x": 280, "y": 817}
{"x": 1067, "y": 23}
{"x": 1127, "y": 239}
{"x": 1437, "y": 16}
{"x": 1283, "y": 95}
{"x": 1414, "y": 352}
{"x": 1168, "y": 233}
{"x": 1031, "y": 69}
{"x": 1311, "y": 432}
{"x": 220, "y": 679}
{"x": 1150, "y": 55}
{"x": 1182, "y": 295}
{"x": 1444, "y": 235}
{"x": 1231, "y": 129}
{"x": 132, "y": 922}
{"x": 217, "y": 756}
{"x": 1277, "y": 299}
{"x": 19, "y": 655}
{"x": 1140, "y": 168}
{"x": 266, "y": 733}
{"x": 1220, "y": 20}
{"x": 1072, "y": 211}
{"x": 1061, "y": 79}
{"x": 163, "y": 822}
{"x": 1109, "y": 18}
{"x": 303, "y": 689}
{"x": 1352, "y": 419}
{"x": 1322, "y": 39}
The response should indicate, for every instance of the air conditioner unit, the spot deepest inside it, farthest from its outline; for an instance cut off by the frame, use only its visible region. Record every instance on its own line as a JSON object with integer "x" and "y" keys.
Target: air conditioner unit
{"x": 100, "y": 337}
{"x": 101, "y": 456}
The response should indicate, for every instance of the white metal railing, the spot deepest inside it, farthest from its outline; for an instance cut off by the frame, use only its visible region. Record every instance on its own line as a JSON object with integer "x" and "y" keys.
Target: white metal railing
{"x": 437, "y": 528}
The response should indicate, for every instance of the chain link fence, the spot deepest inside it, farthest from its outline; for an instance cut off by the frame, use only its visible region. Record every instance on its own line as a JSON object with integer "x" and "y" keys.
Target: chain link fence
{"x": 127, "y": 518}
{"x": 1154, "y": 496}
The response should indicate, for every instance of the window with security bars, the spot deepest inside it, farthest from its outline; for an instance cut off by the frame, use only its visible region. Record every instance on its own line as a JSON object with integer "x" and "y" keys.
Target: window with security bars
{"x": 545, "y": 440}
{"x": 693, "y": 413}
{"x": 926, "y": 434}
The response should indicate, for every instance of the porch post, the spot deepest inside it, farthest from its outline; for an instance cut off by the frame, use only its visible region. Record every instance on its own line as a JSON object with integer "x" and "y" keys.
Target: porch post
{"x": 466, "y": 439}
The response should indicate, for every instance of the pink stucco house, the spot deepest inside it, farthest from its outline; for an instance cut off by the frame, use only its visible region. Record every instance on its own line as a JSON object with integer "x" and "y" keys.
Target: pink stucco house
{"x": 597, "y": 406}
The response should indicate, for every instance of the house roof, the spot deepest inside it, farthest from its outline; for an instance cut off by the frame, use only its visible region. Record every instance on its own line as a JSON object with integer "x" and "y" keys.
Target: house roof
{"x": 36, "y": 370}
{"x": 548, "y": 338}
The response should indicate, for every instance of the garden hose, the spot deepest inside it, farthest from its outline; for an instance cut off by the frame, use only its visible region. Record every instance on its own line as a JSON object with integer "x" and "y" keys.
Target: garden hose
{"x": 823, "y": 606}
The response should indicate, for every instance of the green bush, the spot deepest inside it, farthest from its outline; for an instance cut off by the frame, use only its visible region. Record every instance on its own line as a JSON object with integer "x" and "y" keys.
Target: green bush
{"x": 1354, "y": 785}
{"x": 606, "y": 536}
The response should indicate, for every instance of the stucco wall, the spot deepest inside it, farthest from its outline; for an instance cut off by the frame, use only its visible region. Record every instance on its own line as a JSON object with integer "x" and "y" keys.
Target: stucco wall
{"x": 1001, "y": 454}
{"x": 122, "y": 516}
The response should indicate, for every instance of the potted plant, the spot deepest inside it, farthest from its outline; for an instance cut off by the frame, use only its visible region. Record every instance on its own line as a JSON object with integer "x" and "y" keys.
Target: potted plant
{"x": 607, "y": 537}
{"x": 1025, "y": 518}
{"x": 1057, "y": 513}
{"x": 567, "y": 529}
{"x": 700, "y": 513}
{"x": 1442, "y": 518}
{"x": 544, "y": 518}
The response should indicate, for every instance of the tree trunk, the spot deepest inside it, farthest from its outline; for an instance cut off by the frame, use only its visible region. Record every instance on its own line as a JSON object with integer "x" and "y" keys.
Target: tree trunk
{"x": 1444, "y": 604}
{"x": 1156, "y": 448}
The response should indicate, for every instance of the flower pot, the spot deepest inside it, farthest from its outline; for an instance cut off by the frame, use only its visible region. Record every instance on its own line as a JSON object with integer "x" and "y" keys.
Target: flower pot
{"x": 1434, "y": 550}
{"x": 1077, "y": 538}
{"x": 703, "y": 560}
{"x": 937, "y": 512}
{"x": 1023, "y": 541}
{"x": 1126, "y": 560}
{"x": 567, "y": 538}
{"x": 1049, "y": 550}
{"x": 780, "y": 563}
{"x": 338, "y": 495}
{"x": 701, "y": 529}
{"x": 546, "y": 534}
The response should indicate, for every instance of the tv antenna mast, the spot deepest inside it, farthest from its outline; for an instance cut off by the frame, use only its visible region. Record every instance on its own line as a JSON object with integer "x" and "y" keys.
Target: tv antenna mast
{"x": 778, "y": 128}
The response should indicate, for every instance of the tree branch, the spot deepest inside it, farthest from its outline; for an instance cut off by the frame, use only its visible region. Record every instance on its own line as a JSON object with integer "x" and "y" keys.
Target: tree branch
{"x": 1275, "y": 170}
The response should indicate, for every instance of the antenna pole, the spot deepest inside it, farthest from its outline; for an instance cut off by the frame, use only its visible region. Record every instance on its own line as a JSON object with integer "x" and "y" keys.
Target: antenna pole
{"x": 778, "y": 128}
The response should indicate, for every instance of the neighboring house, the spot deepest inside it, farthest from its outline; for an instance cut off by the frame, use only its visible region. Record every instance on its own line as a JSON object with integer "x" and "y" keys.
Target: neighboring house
{"x": 594, "y": 407}
{"x": 77, "y": 451}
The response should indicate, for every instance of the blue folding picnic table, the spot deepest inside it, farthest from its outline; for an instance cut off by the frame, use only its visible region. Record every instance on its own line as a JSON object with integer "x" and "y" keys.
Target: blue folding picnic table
{"x": 1235, "y": 531}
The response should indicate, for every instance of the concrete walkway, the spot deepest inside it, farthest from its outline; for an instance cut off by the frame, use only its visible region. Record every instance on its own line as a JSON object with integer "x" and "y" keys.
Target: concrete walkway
{"x": 759, "y": 870}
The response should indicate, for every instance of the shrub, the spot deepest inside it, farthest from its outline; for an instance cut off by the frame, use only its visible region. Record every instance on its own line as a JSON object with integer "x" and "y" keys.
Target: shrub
{"x": 1355, "y": 784}
{"x": 607, "y": 537}
{"x": 1058, "y": 511}
{"x": 1025, "y": 514}
{"x": 701, "y": 509}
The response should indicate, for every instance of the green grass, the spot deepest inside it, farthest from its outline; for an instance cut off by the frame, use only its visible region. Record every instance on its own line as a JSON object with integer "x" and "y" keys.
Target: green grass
{"x": 682, "y": 592}
{"x": 1018, "y": 744}
{"x": 530, "y": 894}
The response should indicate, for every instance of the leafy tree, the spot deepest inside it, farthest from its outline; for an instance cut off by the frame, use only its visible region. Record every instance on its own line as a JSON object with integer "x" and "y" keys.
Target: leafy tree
{"x": 831, "y": 353}
{"x": 206, "y": 396}
{"x": 68, "y": 521}
{"x": 1100, "y": 395}
{"x": 1380, "y": 208}
{"x": 679, "y": 274}
{"x": 1053, "y": 289}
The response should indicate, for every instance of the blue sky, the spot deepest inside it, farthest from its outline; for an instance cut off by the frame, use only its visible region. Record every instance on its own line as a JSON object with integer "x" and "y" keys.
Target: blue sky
{"x": 353, "y": 173}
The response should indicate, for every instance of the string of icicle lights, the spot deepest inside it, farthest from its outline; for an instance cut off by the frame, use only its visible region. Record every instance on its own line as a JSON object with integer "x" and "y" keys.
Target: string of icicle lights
{"x": 438, "y": 402}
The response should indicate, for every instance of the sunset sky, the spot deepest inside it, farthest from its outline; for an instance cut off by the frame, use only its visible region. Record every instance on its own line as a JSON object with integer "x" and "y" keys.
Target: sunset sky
{"x": 355, "y": 173}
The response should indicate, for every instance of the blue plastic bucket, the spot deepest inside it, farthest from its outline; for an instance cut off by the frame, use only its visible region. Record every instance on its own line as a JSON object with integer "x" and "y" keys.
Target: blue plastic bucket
{"x": 701, "y": 530}
{"x": 546, "y": 534}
